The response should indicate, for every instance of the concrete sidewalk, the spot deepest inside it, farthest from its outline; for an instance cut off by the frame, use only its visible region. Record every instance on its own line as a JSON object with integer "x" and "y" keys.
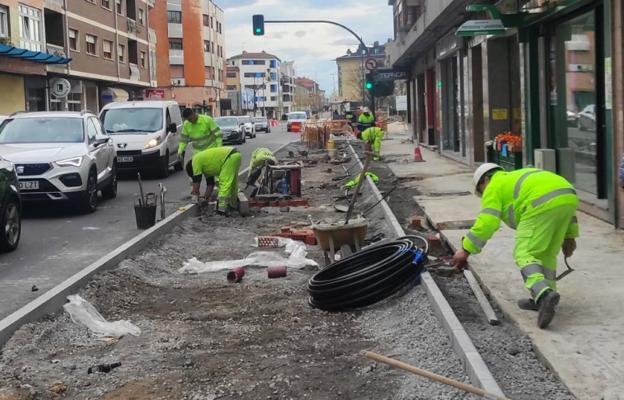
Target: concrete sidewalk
{"x": 585, "y": 343}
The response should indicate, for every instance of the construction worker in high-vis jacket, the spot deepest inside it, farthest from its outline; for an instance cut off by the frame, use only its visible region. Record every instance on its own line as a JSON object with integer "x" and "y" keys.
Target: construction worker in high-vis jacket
{"x": 200, "y": 130}
{"x": 541, "y": 207}
{"x": 218, "y": 162}
{"x": 366, "y": 119}
{"x": 260, "y": 158}
{"x": 372, "y": 138}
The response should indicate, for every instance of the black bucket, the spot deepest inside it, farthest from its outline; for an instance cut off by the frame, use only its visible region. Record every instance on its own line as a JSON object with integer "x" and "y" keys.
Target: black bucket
{"x": 145, "y": 213}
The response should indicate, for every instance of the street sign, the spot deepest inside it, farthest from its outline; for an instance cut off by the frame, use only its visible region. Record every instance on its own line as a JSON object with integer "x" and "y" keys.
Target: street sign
{"x": 401, "y": 103}
{"x": 370, "y": 64}
{"x": 387, "y": 75}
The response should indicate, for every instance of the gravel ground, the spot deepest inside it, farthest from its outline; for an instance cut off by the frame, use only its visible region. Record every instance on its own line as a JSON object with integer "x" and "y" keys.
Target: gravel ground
{"x": 205, "y": 339}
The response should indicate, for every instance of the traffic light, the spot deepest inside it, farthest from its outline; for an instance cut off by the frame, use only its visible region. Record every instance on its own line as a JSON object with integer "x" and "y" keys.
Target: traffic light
{"x": 258, "y": 24}
{"x": 369, "y": 85}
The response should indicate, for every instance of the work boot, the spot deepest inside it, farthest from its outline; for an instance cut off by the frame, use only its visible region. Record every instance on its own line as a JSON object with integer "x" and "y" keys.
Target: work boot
{"x": 547, "y": 304}
{"x": 528, "y": 305}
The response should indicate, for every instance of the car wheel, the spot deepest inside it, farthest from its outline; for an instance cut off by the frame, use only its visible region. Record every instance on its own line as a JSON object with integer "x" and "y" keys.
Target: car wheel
{"x": 88, "y": 203}
{"x": 11, "y": 223}
{"x": 110, "y": 190}
{"x": 163, "y": 168}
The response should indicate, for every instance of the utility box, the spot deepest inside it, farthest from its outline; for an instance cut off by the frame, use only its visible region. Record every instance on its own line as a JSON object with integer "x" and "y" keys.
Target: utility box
{"x": 545, "y": 159}
{"x": 566, "y": 161}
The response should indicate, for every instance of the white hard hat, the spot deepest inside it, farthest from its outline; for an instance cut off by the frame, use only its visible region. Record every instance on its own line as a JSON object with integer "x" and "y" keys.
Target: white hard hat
{"x": 365, "y": 109}
{"x": 480, "y": 173}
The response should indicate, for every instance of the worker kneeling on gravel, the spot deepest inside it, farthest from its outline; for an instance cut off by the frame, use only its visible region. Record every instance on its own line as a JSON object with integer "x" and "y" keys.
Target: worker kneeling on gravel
{"x": 260, "y": 158}
{"x": 221, "y": 162}
{"x": 372, "y": 138}
{"x": 541, "y": 207}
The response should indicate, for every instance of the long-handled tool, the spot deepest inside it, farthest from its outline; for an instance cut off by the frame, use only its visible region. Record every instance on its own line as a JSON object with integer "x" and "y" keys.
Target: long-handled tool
{"x": 163, "y": 190}
{"x": 385, "y": 196}
{"x": 434, "y": 377}
{"x": 567, "y": 272}
{"x": 357, "y": 188}
{"x": 142, "y": 199}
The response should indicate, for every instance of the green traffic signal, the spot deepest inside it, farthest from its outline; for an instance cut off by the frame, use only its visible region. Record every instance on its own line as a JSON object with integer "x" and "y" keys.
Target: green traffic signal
{"x": 369, "y": 85}
{"x": 258, "y": 24}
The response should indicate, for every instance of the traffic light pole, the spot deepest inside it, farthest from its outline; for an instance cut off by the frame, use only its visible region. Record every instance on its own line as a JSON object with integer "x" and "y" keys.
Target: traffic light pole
{"x": 321, "y": 21}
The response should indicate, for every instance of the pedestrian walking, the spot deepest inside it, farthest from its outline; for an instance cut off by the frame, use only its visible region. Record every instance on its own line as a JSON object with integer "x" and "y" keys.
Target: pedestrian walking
{"x": 372, "y": 138}
{"x": 218, "y": 162}
{"x": 541, "y": 207}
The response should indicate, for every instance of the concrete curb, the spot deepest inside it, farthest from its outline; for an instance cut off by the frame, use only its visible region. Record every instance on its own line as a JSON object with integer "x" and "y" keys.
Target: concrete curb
{"x": 53, "y": 299}
{"x": 474, "y": 365}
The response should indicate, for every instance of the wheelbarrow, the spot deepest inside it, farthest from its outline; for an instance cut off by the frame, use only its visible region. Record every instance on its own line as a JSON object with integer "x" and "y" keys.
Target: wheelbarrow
{"x": 332, "y": 237}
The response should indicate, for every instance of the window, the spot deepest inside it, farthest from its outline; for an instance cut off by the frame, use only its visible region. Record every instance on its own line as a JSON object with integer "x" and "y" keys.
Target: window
{"x": 211, "y": 22}
{"x": 133, "y": 52}
{"x": 142, "y": 59}
{"x": 121, "y": 52}
{"x": 141, "y": 16}
{"x": 91, "y": 130}
{"x": 107, "y": 49}
{"x": 254, "y": 74}
{"x": 175, "y": 44}
{"x": 30, "y": 28}
{"x": 106, "y": 4}
{"x": 118, "y": 6}
{"x": 231, "y": 75}
{"x": 231, "y": 87}
{"x": 212, "y": 50}
{"x": 206, "y": 20}
{"x": 219, "y": 27}
{"x": 4, "y": 21}
{"x": 73, "y": 40}
{"x": 91, "y": 41}
{"x": 254, "y": 62}
{"x": 206, "y": 46}
{"x": 174, "y": 17}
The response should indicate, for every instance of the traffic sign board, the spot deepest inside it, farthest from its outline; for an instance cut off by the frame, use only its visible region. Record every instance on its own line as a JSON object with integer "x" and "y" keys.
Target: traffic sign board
{"x": 370, "y": 64}
{"x": 382, "y": 75}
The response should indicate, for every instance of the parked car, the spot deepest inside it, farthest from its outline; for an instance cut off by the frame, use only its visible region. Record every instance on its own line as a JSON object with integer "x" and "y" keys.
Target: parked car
{"x": 3, "y": 117}
{"x": 232, "y": 130}
{"x": 146, "y": 134}
{"x": 249, "y": 126}
{"x": 587, "y": 118}
{"x": 10, "y": 207}
{"x": 572, "y": 119}
{"x": 296, "y": 121}
{"x": 262, "y": 124}
{"x": 60, "y": 156}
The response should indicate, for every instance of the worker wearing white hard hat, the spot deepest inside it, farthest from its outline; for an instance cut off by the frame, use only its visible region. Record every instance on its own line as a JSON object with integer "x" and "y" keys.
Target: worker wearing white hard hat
{"x": 541, "y": 207}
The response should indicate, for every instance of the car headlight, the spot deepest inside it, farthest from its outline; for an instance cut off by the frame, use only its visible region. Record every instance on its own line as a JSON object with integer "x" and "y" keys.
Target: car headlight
{"x": 70, "y": 162}
{"x": 152, "y": 143}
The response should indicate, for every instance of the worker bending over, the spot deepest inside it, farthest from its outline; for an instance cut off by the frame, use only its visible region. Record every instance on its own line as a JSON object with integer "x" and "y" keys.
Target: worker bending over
{"x": 223, "y": 163}
{"x": 372, "y": 138}
{"x": 260, "y": 158}
{"x": 366, "y": 119}
{"x": 541, "y": 207}
{"x": 200, "y": 130}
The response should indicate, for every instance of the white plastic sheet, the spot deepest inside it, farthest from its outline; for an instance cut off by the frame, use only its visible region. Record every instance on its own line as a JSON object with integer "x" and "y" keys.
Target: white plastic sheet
{"x": 82, "y": 312}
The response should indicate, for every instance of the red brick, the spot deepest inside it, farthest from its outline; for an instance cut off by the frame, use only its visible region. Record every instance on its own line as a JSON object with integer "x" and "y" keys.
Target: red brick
{"x": 415, "y": 222}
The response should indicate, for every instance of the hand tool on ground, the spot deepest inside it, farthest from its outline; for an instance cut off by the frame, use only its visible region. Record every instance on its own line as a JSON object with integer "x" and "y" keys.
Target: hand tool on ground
{"x": 142, "y": 199}
{"x": 385, "y": 196}
{"x": 434, "y": 377}
{"x": 567, "y": 272}
{"x": 359, "y": 185}
{"x": 162, "y": 192}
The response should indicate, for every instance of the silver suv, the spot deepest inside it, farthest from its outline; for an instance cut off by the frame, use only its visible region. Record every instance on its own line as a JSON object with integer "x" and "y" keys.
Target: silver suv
{"x": 60, "y": 156}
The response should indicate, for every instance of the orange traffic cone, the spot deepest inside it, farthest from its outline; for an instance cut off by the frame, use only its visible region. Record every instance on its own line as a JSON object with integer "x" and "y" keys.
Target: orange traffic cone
{"x": 418, "y": 154}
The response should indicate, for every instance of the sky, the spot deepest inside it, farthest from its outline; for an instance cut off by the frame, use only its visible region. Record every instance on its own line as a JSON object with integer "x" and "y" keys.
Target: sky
{"x": 313, "y": 47}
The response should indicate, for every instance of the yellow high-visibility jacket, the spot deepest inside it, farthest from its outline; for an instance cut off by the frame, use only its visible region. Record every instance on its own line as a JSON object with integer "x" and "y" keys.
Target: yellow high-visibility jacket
{"x": 209, "y": 162}
{"x": 204, "y": 134}
{"x": 259, "y": 156}
{"x": 512, "y": 196}
{"x": 366, "y": 119}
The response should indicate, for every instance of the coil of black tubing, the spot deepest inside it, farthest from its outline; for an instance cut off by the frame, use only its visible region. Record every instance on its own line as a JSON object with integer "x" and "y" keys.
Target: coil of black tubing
{"x": 368, "y": 276}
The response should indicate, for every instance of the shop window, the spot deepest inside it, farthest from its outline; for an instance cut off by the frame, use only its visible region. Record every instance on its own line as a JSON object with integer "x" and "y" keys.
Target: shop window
{"x": 174, "y": 17}
{"x": 91, "y": 42}
{"x": 30, "y": 28}
{"x": 121, "y": 53}
{"x": 107, "y": 49}
{"x": 73, "y": 40}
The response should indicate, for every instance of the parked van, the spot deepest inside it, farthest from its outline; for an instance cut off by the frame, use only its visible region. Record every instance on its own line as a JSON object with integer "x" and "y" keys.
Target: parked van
{"x": 146, "y": 134}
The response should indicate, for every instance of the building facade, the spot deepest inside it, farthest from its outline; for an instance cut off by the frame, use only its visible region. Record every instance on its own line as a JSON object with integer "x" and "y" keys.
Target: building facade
{"x": 287, "y": 82}
{"x": 308, "y": 96}
{"x": 352, "y": 71}
{"x": 264, "y": 75}
{"x": 546, "y": 72}
{"x": 104, "y": 44}
{"x": 191, "y": 67}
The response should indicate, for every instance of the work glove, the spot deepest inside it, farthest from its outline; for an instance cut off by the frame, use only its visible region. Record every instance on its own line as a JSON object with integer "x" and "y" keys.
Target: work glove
{"x": 568, "y": 247}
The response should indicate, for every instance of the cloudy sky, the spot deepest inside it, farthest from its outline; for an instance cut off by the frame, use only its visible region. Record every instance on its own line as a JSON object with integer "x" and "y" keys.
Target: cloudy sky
{"x": 313, "y": 47}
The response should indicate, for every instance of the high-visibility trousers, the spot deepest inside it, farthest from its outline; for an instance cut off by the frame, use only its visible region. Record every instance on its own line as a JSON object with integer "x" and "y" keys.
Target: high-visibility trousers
{"x": 228, "y": 182}
{"x": 538, "y": 242}
{"x": 377, "y": 145}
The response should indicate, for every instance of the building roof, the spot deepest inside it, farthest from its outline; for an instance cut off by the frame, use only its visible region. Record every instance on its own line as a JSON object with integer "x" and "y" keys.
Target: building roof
{"x": 263, "y": 55}
{"x": 305, "y": 82}
{"x": 376, "y": 51}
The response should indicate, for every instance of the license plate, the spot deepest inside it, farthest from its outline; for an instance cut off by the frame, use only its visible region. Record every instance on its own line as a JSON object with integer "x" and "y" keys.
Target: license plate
{"x": 125, "y": 159}
{"x": 29, "y": 185}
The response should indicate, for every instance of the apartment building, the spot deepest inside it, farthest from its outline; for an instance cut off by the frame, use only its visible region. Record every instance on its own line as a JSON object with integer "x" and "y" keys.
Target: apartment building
{"x": 287, "y": 82}
{"x": 351, "y": 71}
{"x": 308, "y": 95}
{"x": 191, "y": 67}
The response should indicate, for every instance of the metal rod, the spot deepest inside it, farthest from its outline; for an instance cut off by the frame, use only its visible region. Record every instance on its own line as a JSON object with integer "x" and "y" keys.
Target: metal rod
{"x": 357, "y": 188}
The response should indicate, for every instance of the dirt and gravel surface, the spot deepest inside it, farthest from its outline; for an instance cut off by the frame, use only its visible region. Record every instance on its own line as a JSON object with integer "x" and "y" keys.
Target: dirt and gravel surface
{"x": 205, "y": 339}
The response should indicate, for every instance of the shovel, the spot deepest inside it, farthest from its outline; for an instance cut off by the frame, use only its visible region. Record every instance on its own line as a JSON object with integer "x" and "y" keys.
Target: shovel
{"x": 567, "y": 272}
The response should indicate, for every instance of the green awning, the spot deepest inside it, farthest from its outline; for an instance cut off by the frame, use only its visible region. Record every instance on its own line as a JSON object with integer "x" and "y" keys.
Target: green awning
{"x": 479, "y": 27}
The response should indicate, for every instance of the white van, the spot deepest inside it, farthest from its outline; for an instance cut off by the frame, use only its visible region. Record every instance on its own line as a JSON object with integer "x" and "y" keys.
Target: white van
{"x": 146, "y": 134}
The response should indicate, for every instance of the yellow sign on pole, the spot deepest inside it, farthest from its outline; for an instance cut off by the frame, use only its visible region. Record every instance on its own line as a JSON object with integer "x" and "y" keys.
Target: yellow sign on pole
{"x": 500, "y": 114}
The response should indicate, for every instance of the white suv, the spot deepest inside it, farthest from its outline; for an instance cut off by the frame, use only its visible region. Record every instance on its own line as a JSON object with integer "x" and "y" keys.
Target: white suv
{"x": 60, "y": 156}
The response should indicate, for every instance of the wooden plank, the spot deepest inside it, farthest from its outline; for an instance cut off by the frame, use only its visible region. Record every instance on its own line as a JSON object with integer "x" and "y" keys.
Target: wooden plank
{"x": 483, "y": 301}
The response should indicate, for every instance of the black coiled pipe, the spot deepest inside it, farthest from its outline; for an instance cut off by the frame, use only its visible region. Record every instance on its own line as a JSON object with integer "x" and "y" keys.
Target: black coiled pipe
{"x": 370, "y": 275}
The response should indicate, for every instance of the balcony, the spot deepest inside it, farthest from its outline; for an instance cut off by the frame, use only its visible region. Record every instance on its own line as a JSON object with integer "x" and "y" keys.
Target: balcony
{"x": 54, "y": 4}
{"x": 176, "y": 57}
{"x": 56, "y": 50}
{"x": 135, "y": 74}
{"x": 133, "y": 27}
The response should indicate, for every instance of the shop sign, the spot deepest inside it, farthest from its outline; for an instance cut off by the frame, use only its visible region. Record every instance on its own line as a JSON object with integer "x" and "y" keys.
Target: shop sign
{"x": 155, "y": 94}
{"x": 60, "y": 87}
{"x": 386, "y": 75}
{"x": 500, "y": 114}
{"x": 480, "y": 27}
{"x": 401, "y": 103}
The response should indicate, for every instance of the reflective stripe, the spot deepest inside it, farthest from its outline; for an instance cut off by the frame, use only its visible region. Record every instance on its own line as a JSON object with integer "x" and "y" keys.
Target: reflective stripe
{"x": 511, "y": 216}
{"x": 492, "y": 211}
{"x": 537, "y": 289}
{"x": 531, "y": 269}
{"x": 550, "y": 275}
{"x": 520, "y": 181}
{"x": 478, "y": 242}
{"x": 549, "y": 196}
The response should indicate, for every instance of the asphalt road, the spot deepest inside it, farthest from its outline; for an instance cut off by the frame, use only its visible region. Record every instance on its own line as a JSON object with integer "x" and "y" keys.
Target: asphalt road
{"x": 57, "y": 241}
